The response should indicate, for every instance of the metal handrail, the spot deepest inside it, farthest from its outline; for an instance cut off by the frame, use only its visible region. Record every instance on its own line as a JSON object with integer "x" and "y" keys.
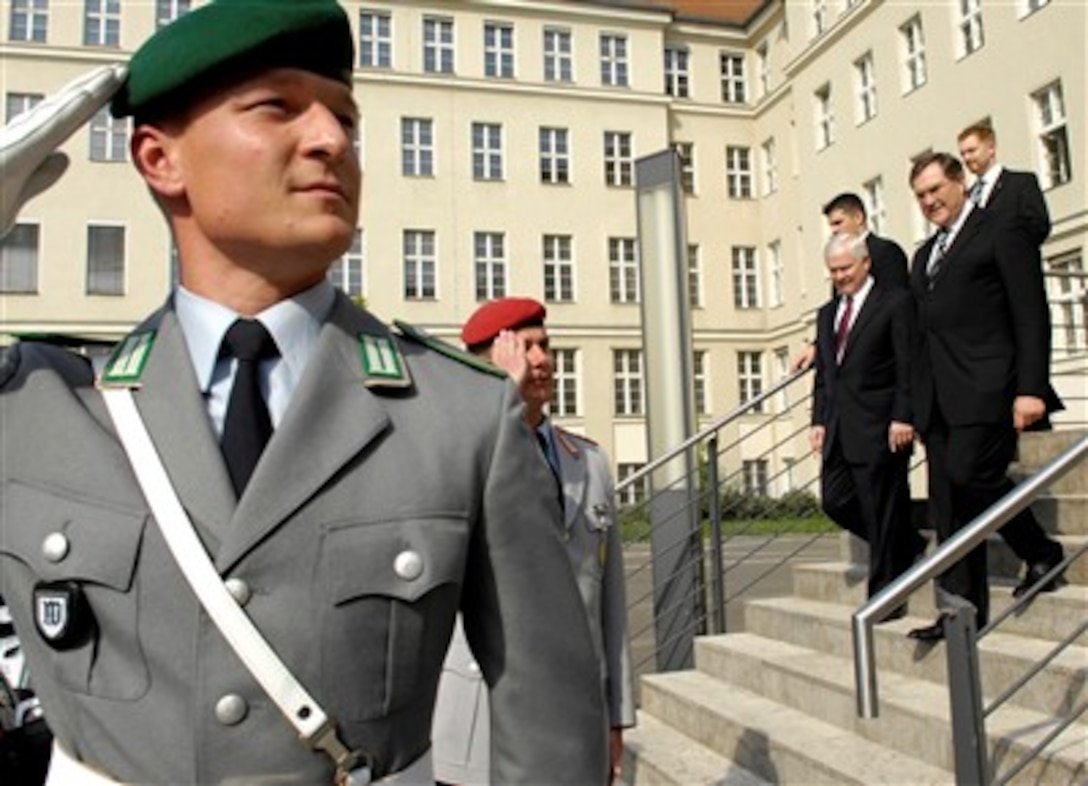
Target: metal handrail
{"x": 949, "y": 553}
{"x": 708, "y": 430}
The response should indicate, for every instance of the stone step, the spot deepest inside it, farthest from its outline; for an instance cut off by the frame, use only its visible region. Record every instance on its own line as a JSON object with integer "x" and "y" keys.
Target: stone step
{"x": 1063, "y": 514}
{"x": 1002, "y": 564}
{"x": 1003, "y": 658}
{"x": 1047, "y": 616}
{"x": 914, "y": 716}
{"x": 655, "y": 754}
{"x": 1038, "y": 447}
{"x": 778, "y": 743}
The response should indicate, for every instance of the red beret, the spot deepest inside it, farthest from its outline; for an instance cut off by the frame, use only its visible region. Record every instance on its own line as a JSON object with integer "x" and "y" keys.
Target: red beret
{"x": 508, "y": 313}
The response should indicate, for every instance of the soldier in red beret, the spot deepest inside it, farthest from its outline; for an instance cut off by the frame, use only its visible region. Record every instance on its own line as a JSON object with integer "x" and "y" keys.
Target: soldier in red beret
{"x": 510, "y": 333}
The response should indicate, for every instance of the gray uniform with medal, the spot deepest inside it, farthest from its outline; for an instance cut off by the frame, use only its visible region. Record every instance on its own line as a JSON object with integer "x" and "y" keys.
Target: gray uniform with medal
{"x": 594, "y": 548}
{"x": 400, "y": 486}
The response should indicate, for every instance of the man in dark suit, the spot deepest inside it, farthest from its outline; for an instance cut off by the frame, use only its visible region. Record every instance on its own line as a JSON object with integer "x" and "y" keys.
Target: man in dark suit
{"x": 1014, "y": 196}
{"x": 888, "y": 263}
{"x": 981, "y": 370}
{"x": 861, "y": 413}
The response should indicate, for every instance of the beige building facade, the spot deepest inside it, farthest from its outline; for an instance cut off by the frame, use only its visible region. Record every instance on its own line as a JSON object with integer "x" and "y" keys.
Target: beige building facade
{"x": 499, "y": 138}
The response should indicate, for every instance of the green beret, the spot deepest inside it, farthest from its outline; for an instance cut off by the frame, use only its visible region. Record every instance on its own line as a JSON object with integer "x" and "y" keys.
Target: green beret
{"x": 228, "y": 38}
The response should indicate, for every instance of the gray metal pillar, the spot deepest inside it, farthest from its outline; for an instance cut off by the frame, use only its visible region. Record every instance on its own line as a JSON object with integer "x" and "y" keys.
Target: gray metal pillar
{"x": 676, "y": 541}
{"x": 965, "y": 694}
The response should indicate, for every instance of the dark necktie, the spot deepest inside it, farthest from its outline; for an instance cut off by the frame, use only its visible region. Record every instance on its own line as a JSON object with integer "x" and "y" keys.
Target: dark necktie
{"x": 937, "y": 256}
{"x": 247, "y": 425}
{"x": 844, "y": 327}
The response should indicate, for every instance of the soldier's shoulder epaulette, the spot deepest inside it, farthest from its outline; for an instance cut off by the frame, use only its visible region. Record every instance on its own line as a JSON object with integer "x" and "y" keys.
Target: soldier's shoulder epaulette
{"x": 581, "y": 437}
{"x": 9, "y": 363}
{"x": 420, "y": 336}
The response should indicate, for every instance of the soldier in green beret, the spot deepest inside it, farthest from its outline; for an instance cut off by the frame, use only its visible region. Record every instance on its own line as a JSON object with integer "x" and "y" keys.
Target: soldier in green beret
{"x": 235, "y": 551}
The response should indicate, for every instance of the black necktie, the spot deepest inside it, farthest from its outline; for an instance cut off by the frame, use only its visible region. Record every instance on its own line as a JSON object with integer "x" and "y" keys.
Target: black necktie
{"x": 544, "y": 449}
{"x": 247, "y": 425}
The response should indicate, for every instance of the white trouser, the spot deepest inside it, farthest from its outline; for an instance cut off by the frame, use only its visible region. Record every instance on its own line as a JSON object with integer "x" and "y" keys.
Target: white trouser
{"x": 66, "y": 771}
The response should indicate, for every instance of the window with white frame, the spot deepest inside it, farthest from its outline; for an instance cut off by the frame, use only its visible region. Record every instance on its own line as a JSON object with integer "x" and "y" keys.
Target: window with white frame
{"x": 167, "y": 11}
{"x": 375, "y": 39}
{"x": 776, "y": 270}
{"x": 745, "y": 277}
{"x": 819, "y": 17}
{"x": 105, "y": 260}
{"x": 1053, "y": 135}
{"x": 686, "y": 152}
{"x": 770, "y": 166}
{"x": 825, "y": 118}
{"x": 17, "y": 103}
{"x": 1067, "y": 291}
{"x": 734, "y": 87}
{"x": 754, "y": 476}
{"x": 487, "y": 151}
{"x": 969, "y": 25}
{"x": 676, "y": 70}
{"x": 738, "y": 172}
{"x": 489, "y": 251}
{"x": 623, "y": 270}
{"x": 558, "y": 55}
{"x": 416, "y": 146}
{"x": 865, "y": 87}
{"x": 627, "y": 377}
{"x": 109, "y": 137}
{"x": 914, "y": 53}
{"x": 1028, "y": 7}
{"x": 348, "y": 271}
{"x": 750, "y": 378}
{"x": 558, "y": 269}
{"x": 699, "y": 381}
{"x": 564, "y": 402}
{"x": 437, "y": 45}
{"x": 787, "y": 479}
{"x": 763, "y": 68}
{"x": 781, "y": 372}
{"x": 420, "y": 264}
{"x": 19, "y": 260}
{"x": 554, "y": 155}
{"x": 635, "y": 493}
{"x": 618, "y": 161}
{"x": 876, "y": 208}
{"x": 499, "y": 50}
{"x": 102, "y": 22}
{"x": 29, "y": 21}
{"x": 695, "y": 276}
{"x": 613, "y": 60}
{"x": 754, "y": 473}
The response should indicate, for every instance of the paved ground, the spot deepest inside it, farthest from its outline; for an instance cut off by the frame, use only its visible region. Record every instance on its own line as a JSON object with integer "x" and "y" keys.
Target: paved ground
{"x": 764, "y": 572}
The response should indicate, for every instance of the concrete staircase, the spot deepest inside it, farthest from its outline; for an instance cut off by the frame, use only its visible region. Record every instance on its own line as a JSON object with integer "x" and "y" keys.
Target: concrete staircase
{"x": 776, "y": 703}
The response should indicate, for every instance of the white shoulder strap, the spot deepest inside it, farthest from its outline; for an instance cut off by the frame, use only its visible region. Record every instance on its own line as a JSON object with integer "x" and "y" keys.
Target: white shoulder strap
{"x": 314, "y": 727}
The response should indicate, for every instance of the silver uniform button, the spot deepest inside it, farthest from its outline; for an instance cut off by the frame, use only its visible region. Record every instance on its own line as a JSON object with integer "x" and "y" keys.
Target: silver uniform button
{"x": 55, "y": 546}
{"x": 238, "y": 590}
{"x": 231, "y": 709}
{"x": 473, "y": 667}
{"x": 408, "y": 565}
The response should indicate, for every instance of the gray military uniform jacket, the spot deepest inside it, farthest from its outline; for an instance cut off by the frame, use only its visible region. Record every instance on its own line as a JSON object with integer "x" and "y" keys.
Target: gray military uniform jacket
{"x": 359, "y": 473}
{"x": 594, "y": 547}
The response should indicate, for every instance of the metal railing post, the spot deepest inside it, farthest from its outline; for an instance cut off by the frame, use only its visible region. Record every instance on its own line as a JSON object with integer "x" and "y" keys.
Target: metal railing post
{"x": 965, "y": 694}
{"x": 717, "y": 570}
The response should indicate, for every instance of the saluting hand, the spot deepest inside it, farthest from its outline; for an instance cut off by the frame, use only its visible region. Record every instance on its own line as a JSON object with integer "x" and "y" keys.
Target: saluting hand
{"x": 508, "y": 353}
{"x": 29, "y": 160}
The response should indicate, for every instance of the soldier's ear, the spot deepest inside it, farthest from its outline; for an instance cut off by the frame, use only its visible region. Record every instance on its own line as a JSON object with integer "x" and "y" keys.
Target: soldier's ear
{"x": 155, "y": 154}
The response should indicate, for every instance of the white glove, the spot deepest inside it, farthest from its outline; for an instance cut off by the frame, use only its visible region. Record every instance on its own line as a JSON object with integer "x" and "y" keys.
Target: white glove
{"x": 29, "y": 160}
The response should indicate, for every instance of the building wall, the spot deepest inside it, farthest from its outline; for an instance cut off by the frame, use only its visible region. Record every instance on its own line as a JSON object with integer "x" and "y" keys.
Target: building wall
{"x": 1022, "y": 53}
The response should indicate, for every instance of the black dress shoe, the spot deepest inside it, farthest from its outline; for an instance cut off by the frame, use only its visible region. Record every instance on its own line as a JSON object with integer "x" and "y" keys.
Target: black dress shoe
{"x": 895, "y": 614}
{"x": 1034, "y": 574}
{"x": 929, "y": 633}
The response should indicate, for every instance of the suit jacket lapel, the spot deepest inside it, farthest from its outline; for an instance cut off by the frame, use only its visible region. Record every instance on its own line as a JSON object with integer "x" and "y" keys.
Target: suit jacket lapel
{"x": 174, "y": 411}
{"x": 864, "y": 316}
{"x": 331, "y": 418}
{"x": 572, "y": 465}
